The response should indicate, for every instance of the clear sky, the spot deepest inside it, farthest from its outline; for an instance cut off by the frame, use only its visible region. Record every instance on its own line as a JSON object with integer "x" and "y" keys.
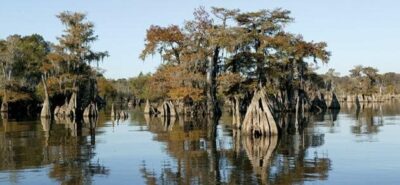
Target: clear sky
{"x": 357, "y": 31}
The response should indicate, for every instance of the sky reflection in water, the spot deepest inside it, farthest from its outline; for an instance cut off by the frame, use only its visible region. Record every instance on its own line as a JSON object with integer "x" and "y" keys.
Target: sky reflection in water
{"x": 352, "y": 147}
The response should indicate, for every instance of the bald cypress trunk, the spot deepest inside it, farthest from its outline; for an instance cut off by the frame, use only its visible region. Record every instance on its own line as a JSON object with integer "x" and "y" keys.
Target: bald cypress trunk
{"x": 72, "y": 105}
{"x": 147, "y": 107}
{"x": 212, "y": 102}
{"x": 214, "y": 157}
{"x": 113, "y": 115}
{"x": 45, "y": 113}
{"x": 259, "y": 120}
{"x": 4, "y": 103}
{"x": 236, "y": 112}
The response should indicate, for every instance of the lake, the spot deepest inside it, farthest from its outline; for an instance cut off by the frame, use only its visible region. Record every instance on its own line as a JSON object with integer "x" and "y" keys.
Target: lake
{"x": 350, "y": 147}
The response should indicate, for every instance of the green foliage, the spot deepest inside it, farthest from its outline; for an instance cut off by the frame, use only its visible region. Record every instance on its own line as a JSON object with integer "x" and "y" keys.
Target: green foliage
{"x": 364, "y": 80}
{"x": 20, "y": 61}
{"x": 139, "y": 86}
{"x": 69, "y": 67}
{"x": 105, "y": 88}
{"x": 25, "y": 60}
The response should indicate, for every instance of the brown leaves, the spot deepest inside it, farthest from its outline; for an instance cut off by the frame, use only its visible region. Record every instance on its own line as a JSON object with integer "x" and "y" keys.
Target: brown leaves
{"x": 252, "y": 49}
{"x": 162, "y": 40}
{"x": 178, "y": 83}
{"x": 229, "y": 83}
{"x": 179, "y": 93}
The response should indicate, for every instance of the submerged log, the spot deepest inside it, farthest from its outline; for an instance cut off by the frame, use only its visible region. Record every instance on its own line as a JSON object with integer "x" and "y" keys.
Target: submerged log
{"x": 259, "y": 120}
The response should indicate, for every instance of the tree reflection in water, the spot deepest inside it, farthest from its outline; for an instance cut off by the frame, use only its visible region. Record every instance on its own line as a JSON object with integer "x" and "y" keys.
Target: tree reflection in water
{"x": 260, "y": 151}
{"x": 369, "y": 118}
{"x": 65, "y": 146}
{"x": 203, "y": 155}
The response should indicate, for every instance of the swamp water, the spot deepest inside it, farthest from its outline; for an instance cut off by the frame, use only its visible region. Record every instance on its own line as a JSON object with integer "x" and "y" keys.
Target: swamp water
{"x": 351, "y": 147}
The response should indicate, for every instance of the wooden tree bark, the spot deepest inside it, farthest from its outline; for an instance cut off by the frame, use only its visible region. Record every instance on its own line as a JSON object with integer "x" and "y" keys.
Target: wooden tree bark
{"x": 4, "y": 103}
{"x": 297, "y": 111}
{"x": 45, "y": 113}
{"x": 259, "y": 120}
{"x": 358, "y": 105}
{"x": 147, "y": 108}
{"x": 318, "y": 104}
{"x": 72, "y": 105}
{"x": 214, "y": 162}
{"x": 334, "y": 104}
{"x": 123, "y": 115}
{"x": 91, "y": 110}
{"x": 236, "y": 116}
{"x": 212, "y": 102}
{"x": 112, "y": 111}
{"x": 168, "y": 109}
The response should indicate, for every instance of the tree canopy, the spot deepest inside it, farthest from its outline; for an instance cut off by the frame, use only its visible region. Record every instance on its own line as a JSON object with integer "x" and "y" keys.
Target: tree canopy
{"x": 239, "y": 50}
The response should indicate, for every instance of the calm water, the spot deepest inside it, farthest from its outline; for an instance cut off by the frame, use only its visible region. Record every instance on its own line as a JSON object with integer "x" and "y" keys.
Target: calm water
{"x": 352, "y": 147}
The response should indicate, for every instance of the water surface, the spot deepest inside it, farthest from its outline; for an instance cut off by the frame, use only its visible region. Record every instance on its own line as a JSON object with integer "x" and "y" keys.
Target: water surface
{"x": 349, "y": 147}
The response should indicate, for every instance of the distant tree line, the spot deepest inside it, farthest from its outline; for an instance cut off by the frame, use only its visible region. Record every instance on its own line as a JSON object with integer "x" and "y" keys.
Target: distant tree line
{"x": 363, "y": 80}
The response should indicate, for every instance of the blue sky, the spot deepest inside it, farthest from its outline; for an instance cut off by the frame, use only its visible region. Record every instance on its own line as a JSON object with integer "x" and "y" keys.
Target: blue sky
{"x": 357, "y": 31}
